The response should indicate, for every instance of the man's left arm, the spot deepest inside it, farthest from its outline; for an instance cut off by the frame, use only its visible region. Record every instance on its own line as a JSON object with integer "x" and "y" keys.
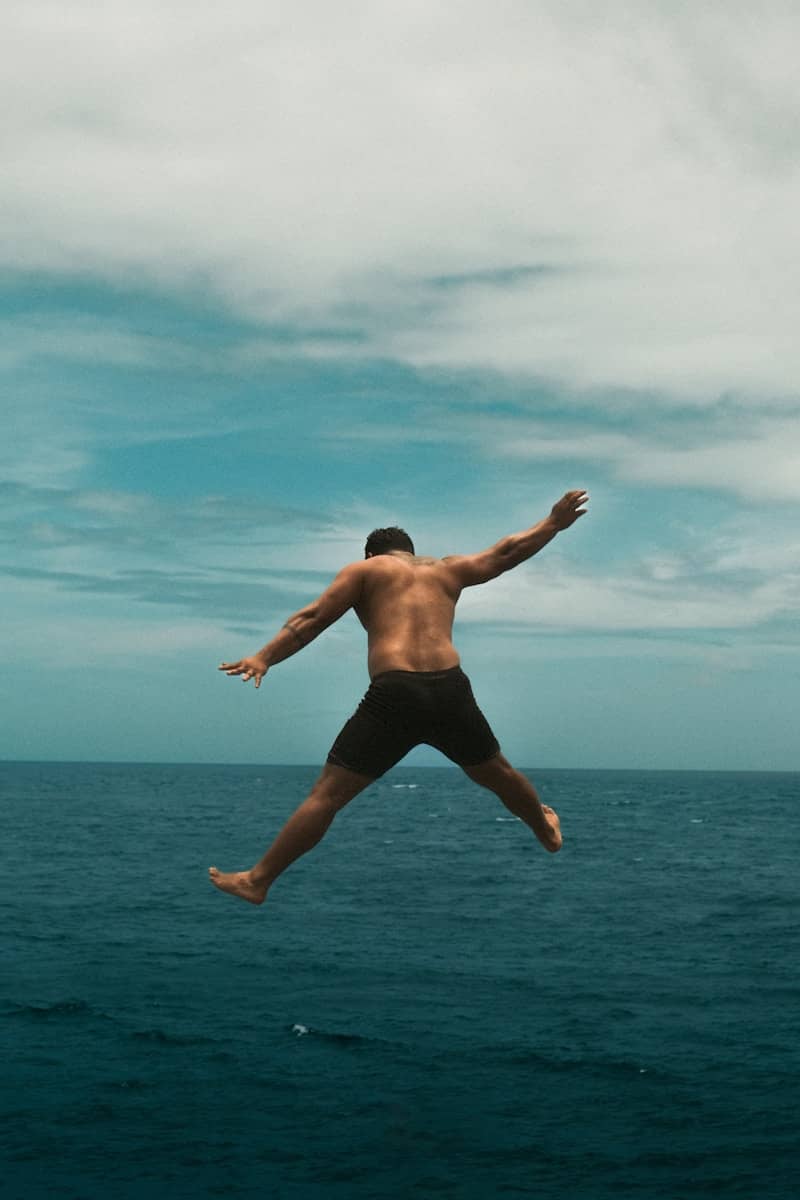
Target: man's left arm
{"x": 303, "y": 626}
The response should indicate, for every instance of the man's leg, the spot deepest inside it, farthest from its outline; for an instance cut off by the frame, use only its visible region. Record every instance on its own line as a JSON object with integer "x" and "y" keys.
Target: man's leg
{"x": 306, "y": 826}
{"x": 519, "y": 796}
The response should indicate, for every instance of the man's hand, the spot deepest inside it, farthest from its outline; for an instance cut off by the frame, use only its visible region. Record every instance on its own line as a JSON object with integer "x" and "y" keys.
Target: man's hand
{"x": 569, "y": 508}
{"x": 249, "y": 668}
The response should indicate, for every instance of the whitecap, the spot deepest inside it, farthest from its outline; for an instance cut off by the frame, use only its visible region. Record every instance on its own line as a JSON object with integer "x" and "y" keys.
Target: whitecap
{"x": 299, "y": 1030}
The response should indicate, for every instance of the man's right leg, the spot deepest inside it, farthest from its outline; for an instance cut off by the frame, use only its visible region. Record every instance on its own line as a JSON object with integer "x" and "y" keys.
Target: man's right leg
{"x": 307, "y": 825}
{"x": 519, "y": 796}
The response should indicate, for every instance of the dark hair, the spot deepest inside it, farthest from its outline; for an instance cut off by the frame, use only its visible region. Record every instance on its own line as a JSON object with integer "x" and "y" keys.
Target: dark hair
{"x": 381, "y": 541}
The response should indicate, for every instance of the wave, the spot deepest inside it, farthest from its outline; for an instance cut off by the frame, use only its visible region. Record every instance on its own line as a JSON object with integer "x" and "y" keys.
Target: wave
{"x": 163, "y": 1038}
{"x": 565, "y": 1063}
{"x": 58, "y": 1009}
{"x": 131, "y": 1085}
{"x": 347, "y": 1041}
{"x": 32, "y": 935}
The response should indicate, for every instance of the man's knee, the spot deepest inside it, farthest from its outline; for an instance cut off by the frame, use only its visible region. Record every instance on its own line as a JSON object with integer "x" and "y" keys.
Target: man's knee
{"x": 493, "y": 774}
{"x": 336, "y": 786}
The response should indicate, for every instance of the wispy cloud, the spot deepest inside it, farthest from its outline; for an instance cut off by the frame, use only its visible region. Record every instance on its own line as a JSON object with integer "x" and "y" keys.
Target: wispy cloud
{"x": 49, "y": 519}
{"x": 569, "y": 599}
{"x": 724, "y": 448}
{"x": 81, "y": 339}
{"x": 151, "y": 553}
{"x": 756, "y": 459}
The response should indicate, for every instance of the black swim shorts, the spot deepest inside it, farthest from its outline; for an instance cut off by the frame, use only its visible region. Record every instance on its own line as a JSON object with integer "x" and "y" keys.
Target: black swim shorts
{"x": 402, "y": 709}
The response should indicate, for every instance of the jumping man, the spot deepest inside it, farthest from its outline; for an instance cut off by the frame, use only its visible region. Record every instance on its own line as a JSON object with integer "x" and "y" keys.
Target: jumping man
{"x": 418, "y": 692}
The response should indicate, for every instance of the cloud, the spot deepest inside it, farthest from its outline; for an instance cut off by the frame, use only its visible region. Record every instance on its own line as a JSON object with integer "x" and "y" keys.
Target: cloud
{"x": 73, "y": 555}
{"x": 48, "y": 518}
{"x": 559, "y": 598}
{"x": 88, "y": 340}
{"x": 600, "y": 196}
{"x": 215, "y": 594}
{"x": 688, "y": 330}
{"x": 757, "y": 459}
{"x": 144, "y": 551}
{"x": 725, "y": 448}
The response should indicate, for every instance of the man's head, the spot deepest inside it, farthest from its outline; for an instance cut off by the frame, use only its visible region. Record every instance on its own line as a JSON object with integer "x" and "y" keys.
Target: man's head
{"x": 383, "y": 541}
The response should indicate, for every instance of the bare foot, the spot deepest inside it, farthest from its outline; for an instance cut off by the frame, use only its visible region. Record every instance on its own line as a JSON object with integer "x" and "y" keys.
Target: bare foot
{"x": 554, "y": 839}
{"x": 238, "y": 883}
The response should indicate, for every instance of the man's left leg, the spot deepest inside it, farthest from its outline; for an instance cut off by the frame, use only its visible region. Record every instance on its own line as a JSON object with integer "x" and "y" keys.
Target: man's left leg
{"x": 307, "y": 825}
{"x": 519, "y": 796}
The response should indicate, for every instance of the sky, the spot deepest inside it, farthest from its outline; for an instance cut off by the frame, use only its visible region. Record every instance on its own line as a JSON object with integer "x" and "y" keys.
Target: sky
{"x": 274, "y": 275}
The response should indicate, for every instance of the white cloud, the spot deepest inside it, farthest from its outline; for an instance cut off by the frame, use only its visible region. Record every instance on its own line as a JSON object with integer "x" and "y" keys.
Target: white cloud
{"x": 752, "y": 456}
{"x": 91, "y": 340}
{"x": 559, "y": 598}
{"x": 321, "y": 164}
{"x": 759, "y": 462}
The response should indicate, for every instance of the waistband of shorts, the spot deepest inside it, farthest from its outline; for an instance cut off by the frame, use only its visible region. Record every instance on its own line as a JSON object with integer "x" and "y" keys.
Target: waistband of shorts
{"x": 447, "y": 673}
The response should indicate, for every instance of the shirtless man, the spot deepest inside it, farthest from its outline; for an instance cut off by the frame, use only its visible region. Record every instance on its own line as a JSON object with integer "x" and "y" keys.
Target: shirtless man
{"x": 418, "y": 691}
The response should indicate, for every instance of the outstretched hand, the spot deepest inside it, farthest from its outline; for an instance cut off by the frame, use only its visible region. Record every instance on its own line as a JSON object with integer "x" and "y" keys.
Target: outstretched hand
{"x": 571, "y": 506}
{"x": 249, "y": 668}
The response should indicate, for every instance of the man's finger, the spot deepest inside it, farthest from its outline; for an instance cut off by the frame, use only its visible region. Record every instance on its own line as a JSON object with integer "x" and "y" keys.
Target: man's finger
{"x": 228, "y": 666}
{"x": 258, "y": 680}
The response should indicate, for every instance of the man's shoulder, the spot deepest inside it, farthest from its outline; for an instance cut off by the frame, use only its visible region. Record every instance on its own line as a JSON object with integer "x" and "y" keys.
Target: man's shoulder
{"x": 393, "y": 564}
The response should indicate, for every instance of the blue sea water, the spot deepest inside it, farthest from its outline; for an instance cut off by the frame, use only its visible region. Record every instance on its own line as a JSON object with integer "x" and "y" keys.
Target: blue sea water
{"x": 427, "y": 1005}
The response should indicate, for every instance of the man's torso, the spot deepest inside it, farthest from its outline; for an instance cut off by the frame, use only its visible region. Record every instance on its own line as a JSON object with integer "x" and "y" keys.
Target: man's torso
{"x": 407, "y": 607}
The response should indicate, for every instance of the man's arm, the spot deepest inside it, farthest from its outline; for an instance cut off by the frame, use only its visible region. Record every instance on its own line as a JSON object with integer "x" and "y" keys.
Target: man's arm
{"x": 509, "y": 552}
{"x": 303, "y": 626}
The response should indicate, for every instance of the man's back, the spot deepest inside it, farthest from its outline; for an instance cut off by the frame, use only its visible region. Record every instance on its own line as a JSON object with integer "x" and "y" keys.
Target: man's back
{"x": 407, "y": 604}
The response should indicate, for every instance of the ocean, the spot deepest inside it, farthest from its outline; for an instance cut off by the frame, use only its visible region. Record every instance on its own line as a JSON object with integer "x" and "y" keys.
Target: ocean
{"x": 427, "y": 1005}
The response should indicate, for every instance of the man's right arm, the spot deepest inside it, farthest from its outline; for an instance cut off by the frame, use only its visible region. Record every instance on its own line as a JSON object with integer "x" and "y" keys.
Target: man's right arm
{"x": 301, "y": 628}
{"x": 509, "y": 552}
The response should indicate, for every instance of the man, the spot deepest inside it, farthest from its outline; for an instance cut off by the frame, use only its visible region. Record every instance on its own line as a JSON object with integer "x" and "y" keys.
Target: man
{"x": 418, "y": 692}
